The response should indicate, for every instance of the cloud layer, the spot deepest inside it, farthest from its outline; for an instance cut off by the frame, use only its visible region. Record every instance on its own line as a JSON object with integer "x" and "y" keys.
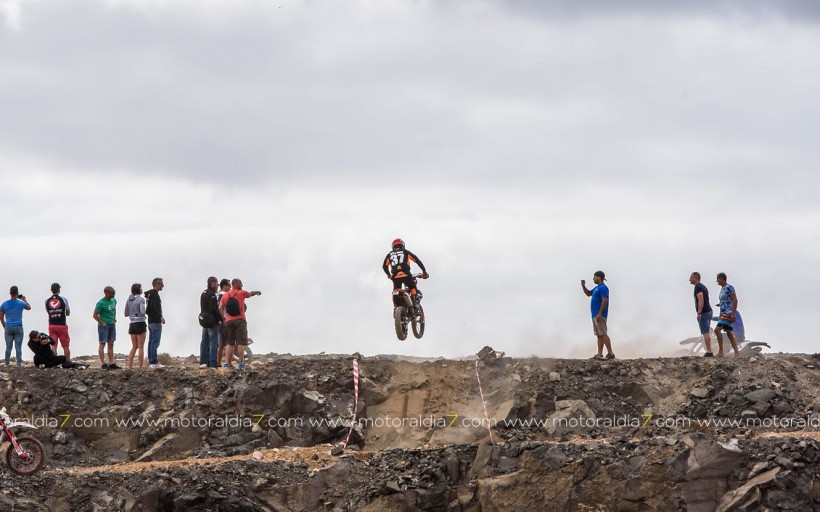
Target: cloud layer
{"x": 518, "y": 148}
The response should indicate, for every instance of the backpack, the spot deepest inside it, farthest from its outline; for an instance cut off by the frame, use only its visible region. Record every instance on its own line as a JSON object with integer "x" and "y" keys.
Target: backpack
{"x": 232, "y": 306}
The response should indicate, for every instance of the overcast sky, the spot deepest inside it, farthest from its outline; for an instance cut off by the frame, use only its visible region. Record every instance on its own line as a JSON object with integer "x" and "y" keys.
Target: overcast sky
{"x": 517, "y": 146}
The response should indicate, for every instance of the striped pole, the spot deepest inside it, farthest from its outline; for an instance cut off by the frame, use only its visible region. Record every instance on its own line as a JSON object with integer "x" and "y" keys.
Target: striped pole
{"x": 484, "y": 403}
{"x": 339, "y": 448}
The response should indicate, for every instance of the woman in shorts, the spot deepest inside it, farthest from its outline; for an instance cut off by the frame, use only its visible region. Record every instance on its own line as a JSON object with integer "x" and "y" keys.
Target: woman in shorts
{"x": 135, "y": 311}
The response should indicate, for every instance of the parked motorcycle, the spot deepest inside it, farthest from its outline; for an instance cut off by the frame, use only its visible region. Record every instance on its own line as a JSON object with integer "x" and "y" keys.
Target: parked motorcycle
{"x": 25, "y": 454}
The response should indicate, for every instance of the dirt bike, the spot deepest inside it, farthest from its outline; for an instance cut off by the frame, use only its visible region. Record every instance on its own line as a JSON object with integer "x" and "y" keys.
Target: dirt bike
{"x": 25, "y": 454}
{"x": 407, "y": 311}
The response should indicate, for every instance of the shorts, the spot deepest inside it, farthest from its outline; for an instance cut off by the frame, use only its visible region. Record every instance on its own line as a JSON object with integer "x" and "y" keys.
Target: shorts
{"x": 236, "y": 332}
{"x": 705, "y": 322}
{"x": 59, "y": 333}
{"x": 599, "y": 326}
{"x": 107, "y": 333}
{"x": 137, "y": 328}
{"x": 409, "y": 281}
{"x": 725, "y": 325}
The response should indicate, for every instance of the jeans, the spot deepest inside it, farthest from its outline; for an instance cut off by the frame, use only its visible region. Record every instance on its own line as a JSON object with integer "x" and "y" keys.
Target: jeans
{"x": 14, "y": 333}
{"x": 154, "y": 334}
{"x": 207, "y": 347}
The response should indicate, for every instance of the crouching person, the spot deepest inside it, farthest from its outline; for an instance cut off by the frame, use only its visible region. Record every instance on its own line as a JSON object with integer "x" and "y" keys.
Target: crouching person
{"x": 41, "y": 344}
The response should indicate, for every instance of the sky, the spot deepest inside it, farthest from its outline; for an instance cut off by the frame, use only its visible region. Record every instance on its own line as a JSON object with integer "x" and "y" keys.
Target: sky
{"x": 516, "y": 146}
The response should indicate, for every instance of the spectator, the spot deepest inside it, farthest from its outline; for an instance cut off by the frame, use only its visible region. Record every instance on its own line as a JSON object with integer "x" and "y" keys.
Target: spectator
{"x": 135, "y": 311}
{"x": 728, "y": 307}
{"x": 40, "y": 343}
{"x": 599, "y": 306}
{"x": 58, "y": 311}
{"x": 11, "y": 316}
{"x": 209, "y": 321}
{"x": 155, "y": 320}
{"x": 232, "y": 307}
{"x": 704, "y": 311}
{"x": 105, "y": 313}
{"x": 224, "y": 287}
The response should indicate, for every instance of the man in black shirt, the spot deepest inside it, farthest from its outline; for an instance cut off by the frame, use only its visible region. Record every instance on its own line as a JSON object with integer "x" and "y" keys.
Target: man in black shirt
{"x": 704, "y": 311}
{"x": 40, "y": 343}
{"x": 209, "y": 318}
{"x": 153, "y": 310}
{"x": 397, "y": 267}
{"x": 58, "y": 309}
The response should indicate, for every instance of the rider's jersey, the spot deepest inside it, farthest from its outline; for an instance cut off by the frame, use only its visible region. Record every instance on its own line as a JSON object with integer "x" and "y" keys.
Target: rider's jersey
{"x": 397, "y": 262}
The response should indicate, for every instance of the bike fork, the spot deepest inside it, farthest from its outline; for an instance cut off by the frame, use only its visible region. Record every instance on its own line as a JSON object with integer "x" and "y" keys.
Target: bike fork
{"x": 16, "y": 445}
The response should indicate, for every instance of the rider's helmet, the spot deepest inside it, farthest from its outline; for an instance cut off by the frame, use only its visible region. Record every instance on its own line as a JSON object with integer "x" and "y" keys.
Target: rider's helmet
{"x": 398, "y": 243}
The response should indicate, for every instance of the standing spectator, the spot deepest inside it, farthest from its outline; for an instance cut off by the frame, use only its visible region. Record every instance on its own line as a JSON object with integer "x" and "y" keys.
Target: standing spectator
{"x": 209, "y": 317}
{"x": 728, "y": 307}
{"x": 105, "y": 313}
{"x": 704, "y": 311}
{"x": 224, "y": 287}
{"x": 58, "y": 309}
{"x": 11, "y": 316}
{"x": 135, "y": 311}
{"x": 232, "y": 306}
{"x": 599, "y": 306}
{"x": 155, "y": 320}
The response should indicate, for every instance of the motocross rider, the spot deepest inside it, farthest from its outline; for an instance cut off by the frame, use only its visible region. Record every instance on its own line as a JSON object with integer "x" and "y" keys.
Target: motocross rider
{"x": 397, "y": 267}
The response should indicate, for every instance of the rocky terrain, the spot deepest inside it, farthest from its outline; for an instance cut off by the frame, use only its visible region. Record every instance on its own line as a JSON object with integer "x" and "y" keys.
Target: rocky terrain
{"x": 644, "y": 434}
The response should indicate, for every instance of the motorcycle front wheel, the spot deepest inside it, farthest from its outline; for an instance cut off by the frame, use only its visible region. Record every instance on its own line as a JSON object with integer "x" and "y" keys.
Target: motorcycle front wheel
{"x": 418, "y": 323}
{"x": 31, "y": 459}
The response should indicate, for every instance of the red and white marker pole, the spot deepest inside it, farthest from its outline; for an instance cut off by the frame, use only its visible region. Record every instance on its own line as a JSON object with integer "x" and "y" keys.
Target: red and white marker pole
{"x": 484, "y": 404}
{"x": 339, "y": 448}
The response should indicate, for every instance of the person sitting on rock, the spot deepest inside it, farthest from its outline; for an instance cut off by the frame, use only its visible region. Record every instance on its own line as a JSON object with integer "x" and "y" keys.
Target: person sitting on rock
{"x": 40, "y": 343}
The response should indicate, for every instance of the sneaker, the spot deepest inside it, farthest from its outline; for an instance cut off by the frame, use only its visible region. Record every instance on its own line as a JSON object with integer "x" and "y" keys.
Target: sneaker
{"x": 104, "y": 366}
{"x": 203, "y": 366}
{"x": 708, "y": 354}
{"x": 610, "y": 356}
{"x": 240, "y": 367}
{"x": 113, "y": 366}
{"x": 156, "y": 366}
{"x": 597, "y": 356}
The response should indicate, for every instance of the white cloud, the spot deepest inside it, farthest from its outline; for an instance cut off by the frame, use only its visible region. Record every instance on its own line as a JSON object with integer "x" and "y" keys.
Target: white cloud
{"x": 516, "y": 154}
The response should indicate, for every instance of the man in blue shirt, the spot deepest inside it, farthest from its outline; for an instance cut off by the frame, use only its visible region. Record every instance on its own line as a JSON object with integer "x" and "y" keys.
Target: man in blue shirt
{"x": 11, "y": 316}
{"x": 599, "y": 307}
{"x": 728, "y": 308}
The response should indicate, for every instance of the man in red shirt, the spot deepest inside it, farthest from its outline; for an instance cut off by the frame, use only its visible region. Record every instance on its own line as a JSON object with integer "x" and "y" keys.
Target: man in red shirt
{"x": 232, "y": 308}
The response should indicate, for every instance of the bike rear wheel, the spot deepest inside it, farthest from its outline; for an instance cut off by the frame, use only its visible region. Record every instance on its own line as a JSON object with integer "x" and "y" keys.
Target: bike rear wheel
{"x": 418, "y": 323}
{"x": 400, "y": 323}
{"x": 30, "y": 461}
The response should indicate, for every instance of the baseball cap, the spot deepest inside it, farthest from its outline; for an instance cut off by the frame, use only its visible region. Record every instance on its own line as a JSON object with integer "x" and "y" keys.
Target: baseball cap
{"x": 600, "y": 274}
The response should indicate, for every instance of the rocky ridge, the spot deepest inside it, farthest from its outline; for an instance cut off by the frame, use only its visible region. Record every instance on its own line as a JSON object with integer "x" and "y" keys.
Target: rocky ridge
{"x": 652, "y": 434}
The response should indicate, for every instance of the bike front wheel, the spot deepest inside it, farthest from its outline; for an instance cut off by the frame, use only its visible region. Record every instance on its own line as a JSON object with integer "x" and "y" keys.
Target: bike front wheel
{"x": 418, "y": 322}
{"x": 400, "y": 323}
{"x": 30, "y": 460}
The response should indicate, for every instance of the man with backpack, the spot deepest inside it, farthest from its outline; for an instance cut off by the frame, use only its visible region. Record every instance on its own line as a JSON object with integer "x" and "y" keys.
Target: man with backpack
{"x": 58, "y": 309}
{"x": 209, "y": 318}
{"x": 232, "y": 307}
